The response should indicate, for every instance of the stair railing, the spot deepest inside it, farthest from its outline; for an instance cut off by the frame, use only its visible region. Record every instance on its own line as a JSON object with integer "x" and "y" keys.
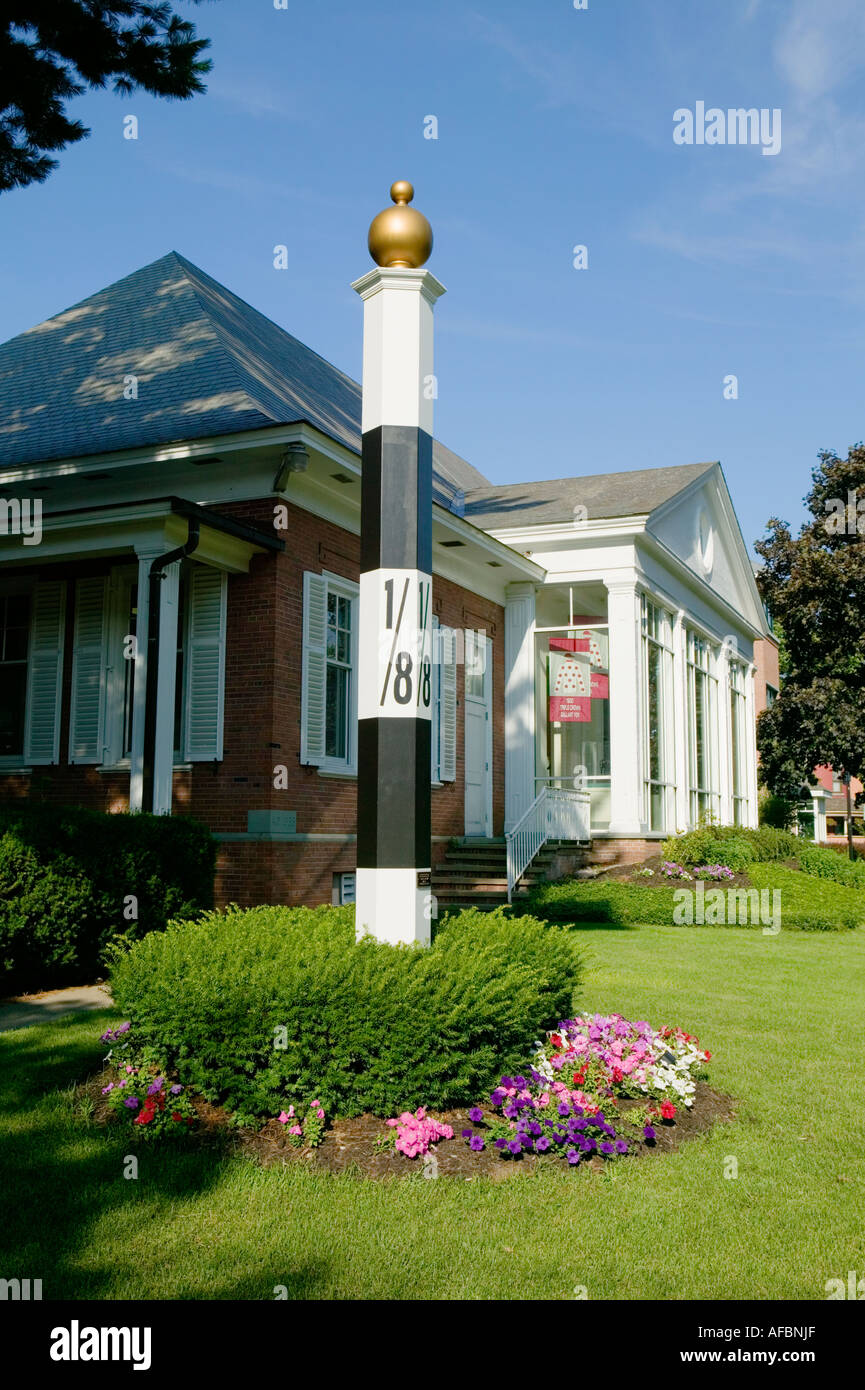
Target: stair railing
{"x": 555, "y": 814}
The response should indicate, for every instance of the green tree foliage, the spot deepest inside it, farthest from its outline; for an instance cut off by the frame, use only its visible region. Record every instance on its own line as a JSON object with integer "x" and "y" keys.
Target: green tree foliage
{"x": 814, "y": 585}
{"x": 52, "y": 50}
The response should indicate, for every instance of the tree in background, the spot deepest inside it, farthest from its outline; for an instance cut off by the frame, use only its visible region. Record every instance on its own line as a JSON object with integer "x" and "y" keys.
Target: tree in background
{"x": 814, "y": 585}
{"x": 51, "y": 50}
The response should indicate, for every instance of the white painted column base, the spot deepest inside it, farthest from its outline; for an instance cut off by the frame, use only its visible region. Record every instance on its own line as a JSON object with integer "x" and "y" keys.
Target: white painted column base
{"x": 390, "y": 906}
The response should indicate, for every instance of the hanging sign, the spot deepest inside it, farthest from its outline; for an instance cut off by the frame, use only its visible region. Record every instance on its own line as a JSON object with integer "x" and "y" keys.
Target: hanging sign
{"x": 570, "y": 687}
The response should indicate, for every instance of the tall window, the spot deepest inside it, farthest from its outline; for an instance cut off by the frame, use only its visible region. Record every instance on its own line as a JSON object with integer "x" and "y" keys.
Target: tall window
{"x": 340, "y": 617}
{"x": 658, "y": 765}
{"x": 702, "y": 730}
{"x": 14, "y": 642}
{"x": 738, "y": 744}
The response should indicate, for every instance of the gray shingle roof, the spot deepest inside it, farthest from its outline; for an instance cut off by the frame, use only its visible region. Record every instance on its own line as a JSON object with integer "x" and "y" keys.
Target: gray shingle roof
{"x": 207, "y": 363}
{"x": 602, "y": 494}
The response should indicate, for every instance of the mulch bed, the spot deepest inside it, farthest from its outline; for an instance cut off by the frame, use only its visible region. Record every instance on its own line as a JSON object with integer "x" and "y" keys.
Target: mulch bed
{"x": 349, "y": 1145}
{"x": 624, "y": 873}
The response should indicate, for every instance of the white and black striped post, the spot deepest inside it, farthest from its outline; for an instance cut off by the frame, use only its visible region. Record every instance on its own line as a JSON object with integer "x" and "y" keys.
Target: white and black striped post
{"x": 393, "y": 894}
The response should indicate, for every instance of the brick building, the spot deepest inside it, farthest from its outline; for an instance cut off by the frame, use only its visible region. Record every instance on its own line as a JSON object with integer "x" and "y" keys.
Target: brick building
{"x": 180, "y": 490}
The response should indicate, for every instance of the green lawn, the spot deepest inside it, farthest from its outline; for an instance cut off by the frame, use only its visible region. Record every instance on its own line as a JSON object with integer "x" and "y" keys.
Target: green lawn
{"x": 783, "y": 1018}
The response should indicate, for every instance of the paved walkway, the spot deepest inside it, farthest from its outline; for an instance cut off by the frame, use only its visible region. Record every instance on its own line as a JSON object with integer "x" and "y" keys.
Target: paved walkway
{"x": 41, "y": 1008}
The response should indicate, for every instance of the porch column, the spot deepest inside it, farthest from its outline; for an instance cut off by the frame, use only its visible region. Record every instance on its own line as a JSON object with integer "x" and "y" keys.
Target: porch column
{"x": 169, "y": 594}
{"x": 751, "y": 746}
{"x": 623, "y": 612}
{"x": 725, "y": 732}
{"x": 519, "y": 701}
{"x": 680, "y": 719}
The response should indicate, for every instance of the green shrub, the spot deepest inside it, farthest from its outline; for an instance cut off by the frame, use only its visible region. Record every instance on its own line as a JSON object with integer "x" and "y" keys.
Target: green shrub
{"x": 805, "y": 904}
{"x": 777, "y": 812}
{"x": 820, "y": 862}
{"x": 68, "y": 878}
{"x": 261, "y": 1007}
{"x": 698, "y": 846}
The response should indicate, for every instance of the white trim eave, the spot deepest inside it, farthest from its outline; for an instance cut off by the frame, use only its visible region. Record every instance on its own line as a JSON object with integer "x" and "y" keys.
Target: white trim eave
{"x": 187, "y": 450}
{"x": 490, "y": 545}
{"x": 142, "y": 528}
{"x": 602, "y": 528}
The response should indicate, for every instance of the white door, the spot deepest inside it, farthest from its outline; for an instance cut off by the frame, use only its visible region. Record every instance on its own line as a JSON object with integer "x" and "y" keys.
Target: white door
{"x": 479, "y": 734}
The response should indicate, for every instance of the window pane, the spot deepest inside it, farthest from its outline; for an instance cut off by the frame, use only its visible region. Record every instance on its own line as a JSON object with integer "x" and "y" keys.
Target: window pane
{"x": 336, "y": 723}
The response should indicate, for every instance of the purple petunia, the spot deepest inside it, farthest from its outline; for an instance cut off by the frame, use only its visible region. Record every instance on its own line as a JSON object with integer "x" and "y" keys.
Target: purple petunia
{"x": 156, "y": 1086}
{"x": 621, "y": 1146}
{"x": 467, "y": 1134}
{"x": 564, "y": 1109}
{"x": 542, "y": 1144}
{"x": 607, "y": 1148}
{"x": 648, "y": 1132}
{"x": 572, "y": 1156}
{"x": 131, "y": 1102}
{"x": 175, "y": 1090}
{"x": 500, "y": 1143}
{"x": 476, "y": 1115}
{"x": 497, "y": 1096}
{"x": 476, "y": 1143}
{"x": 109, "y": 1087}
{"x": 514, "y": 1146}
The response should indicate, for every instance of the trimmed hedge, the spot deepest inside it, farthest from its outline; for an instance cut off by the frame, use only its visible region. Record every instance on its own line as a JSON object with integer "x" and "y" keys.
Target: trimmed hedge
{"x": 805, "y": 905}
{"x": 273, "y": 1005}
{"x": 66, "y": 879}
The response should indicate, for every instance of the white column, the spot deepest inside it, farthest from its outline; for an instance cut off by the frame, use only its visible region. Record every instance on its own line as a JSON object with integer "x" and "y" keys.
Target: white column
{"x": 725, "y": 733}
{"x": 751, "y": 745}
{"x": 136, "y": 760}
{"x": 680, "y": 715}
{"x": 623, "y": 613}
{"x": 163, "y": 763}
{"x": 519, "y": 701}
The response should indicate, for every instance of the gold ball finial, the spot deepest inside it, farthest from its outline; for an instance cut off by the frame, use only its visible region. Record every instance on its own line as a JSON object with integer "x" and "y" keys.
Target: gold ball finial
{"x": 400, "y": 236}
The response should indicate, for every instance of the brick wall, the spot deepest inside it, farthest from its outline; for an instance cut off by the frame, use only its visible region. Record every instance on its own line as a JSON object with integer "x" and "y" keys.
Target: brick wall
{"x": 262, "y": 725}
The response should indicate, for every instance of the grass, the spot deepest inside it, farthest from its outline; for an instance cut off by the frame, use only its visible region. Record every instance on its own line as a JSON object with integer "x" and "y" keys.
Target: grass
{"x": 807, "y": 903}
{"x": 782, "y": 1017}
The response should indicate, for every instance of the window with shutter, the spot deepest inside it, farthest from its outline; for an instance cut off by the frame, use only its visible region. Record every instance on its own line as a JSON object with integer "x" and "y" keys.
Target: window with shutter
{"x": 86, "y": 711}
{"x": 45, "y": 673}
{"x": 448, "y": 677}
{"x": 328, "y": 720}
{"x": 204, "y": 661}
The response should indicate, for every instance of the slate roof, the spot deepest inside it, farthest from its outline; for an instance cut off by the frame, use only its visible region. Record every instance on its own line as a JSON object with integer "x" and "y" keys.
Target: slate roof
{"x": 602, "y": 494}
{"x": 207, "y": 364}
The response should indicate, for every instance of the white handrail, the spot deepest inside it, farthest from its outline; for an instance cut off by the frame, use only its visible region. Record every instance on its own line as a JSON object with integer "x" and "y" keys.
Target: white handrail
{"x": 555, "y": 814}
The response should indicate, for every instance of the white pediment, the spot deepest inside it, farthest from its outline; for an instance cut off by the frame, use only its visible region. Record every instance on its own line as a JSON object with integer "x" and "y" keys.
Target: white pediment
{"x": 700, "y": 528}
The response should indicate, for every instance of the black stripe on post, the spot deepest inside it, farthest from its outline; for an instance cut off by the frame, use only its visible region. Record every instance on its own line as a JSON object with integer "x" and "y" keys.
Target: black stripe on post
{"x": 393, "y": 825}
{"x": 396, "y": 499}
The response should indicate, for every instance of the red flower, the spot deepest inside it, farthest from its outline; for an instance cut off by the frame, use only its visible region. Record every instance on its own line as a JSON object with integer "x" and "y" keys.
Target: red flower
{"x": 579, "y": 1078}
{"x": 177, "y": 1117}
{"x": 708, "y": 1056}
{"x": 556, "y": 1040}
{"x": 617, "y": 1074}
{"x": 668, "y": 1110}
{"x": 144, "y": 1118}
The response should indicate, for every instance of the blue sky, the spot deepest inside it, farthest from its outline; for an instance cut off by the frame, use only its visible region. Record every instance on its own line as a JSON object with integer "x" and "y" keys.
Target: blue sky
{"x": 555, "y": 128}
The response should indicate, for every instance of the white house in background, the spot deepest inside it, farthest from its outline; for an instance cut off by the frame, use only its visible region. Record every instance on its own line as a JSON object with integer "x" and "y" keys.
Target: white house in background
{"x": 597, "y": 664}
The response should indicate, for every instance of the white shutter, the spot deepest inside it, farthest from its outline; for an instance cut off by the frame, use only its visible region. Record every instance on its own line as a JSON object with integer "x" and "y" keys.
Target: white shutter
{"x": 436, "y": 720}
{"x": 204, "y": 665}
{"x": 45, "y": 672}
{"x": 448, "y": 768}
{"x": 314, "y": 671}
{"x": 88, "y": 672}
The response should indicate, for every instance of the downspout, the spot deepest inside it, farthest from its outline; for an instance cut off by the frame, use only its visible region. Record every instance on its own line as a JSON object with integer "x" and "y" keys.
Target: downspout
{"x": 155, "y": 578}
